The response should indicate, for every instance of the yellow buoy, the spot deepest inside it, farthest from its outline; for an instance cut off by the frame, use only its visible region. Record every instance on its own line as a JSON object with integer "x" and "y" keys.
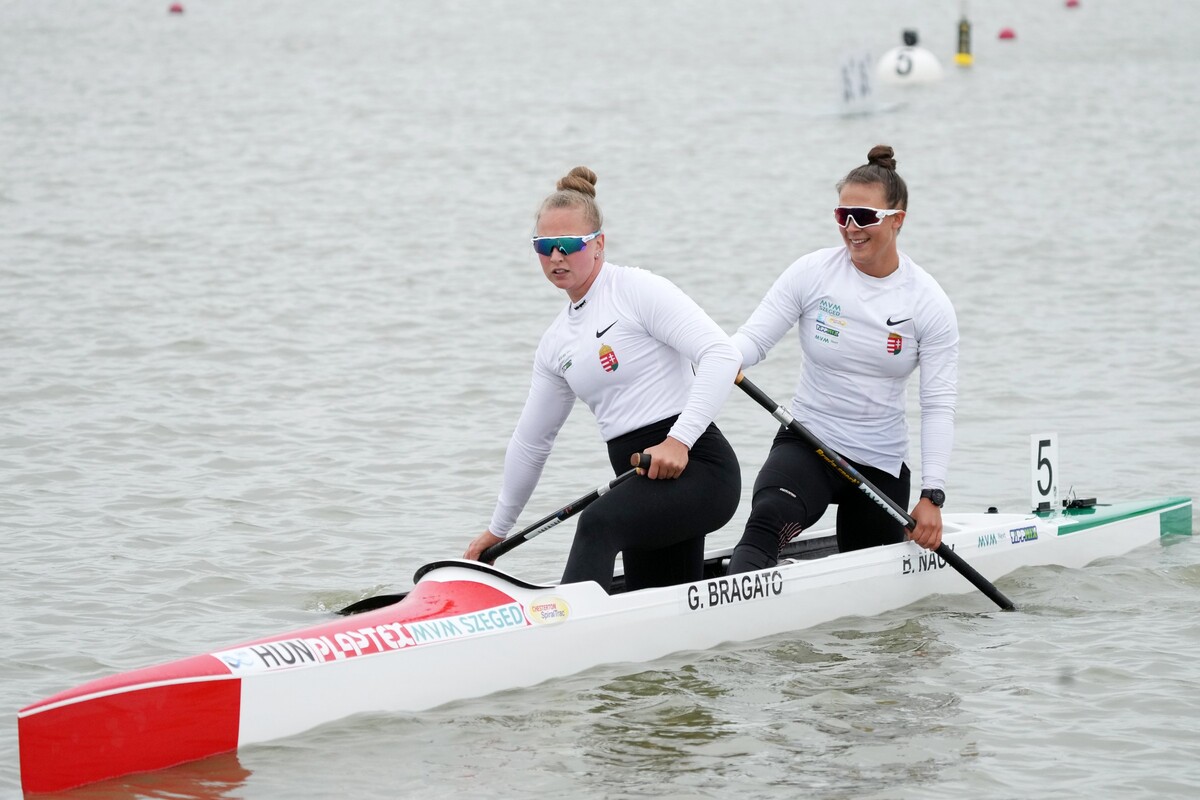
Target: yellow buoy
{"x": 963, "y": 58}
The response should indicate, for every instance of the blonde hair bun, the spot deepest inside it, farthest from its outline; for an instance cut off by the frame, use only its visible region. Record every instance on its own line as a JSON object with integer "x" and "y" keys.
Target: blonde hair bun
{"x": 580, "y": 179}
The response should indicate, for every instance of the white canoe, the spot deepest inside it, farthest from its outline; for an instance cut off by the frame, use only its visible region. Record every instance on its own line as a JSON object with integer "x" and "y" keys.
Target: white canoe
{"x": 397, "y": 658}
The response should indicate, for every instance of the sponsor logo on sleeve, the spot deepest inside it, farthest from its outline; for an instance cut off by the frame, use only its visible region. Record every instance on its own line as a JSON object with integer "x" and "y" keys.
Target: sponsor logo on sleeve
{"x": 566, "y": 357}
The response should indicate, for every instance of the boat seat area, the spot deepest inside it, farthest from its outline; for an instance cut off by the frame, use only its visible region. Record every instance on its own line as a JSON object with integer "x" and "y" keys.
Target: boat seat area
{"x": 717, "y": 565}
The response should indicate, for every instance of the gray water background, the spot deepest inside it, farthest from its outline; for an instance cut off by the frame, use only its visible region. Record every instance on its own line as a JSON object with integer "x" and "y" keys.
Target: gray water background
{"x": 267, "y": 310}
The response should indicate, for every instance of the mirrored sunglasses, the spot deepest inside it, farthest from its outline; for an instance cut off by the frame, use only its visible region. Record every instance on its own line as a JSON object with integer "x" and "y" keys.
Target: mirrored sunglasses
{"x": 546, "y": 245}
{"x": 863, "y": 216}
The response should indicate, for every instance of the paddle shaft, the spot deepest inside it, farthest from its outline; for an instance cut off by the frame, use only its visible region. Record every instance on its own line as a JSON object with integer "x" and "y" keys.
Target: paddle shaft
{"x": 844, "y": 468}
{"x": 504, "y": 545}
{"x": 571, "y": 509}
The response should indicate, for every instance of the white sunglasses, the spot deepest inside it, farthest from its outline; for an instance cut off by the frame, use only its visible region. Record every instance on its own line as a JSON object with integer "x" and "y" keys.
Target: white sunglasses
{"x": 863, "y": 216}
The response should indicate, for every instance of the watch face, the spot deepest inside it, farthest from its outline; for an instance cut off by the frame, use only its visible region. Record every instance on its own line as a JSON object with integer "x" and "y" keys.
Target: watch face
{"x": 936, "y": 496}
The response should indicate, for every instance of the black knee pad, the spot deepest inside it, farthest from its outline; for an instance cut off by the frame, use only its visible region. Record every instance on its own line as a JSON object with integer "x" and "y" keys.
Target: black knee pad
{"x": 779, "y": 511}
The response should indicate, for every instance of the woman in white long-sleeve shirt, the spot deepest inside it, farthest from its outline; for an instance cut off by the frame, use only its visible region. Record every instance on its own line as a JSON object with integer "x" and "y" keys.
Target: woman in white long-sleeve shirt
{"x": 625, "y": 343}
{"x": 867, "y": 316}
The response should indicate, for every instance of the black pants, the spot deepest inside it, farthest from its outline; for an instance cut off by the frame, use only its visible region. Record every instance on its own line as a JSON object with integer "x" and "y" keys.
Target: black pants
{"x": 796, "y": 486}
{"x": 659, "y": 526}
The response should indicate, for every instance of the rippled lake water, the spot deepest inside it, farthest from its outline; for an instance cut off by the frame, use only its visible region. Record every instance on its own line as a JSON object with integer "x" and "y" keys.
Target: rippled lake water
{"x": 267, "y": 312}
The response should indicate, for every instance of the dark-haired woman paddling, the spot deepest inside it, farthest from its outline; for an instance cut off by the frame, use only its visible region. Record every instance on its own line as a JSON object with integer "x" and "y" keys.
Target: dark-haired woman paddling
{"x": 625, "y": 343}
{"x": 868, "y": 316}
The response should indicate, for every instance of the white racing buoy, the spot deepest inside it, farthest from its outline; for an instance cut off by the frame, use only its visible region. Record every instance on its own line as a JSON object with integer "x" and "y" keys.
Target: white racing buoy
{"x": 909, "y": 64}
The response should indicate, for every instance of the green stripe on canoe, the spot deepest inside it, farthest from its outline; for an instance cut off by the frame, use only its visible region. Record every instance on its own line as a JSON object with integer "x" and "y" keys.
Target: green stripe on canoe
{"x": 1175, "y": 515}
{"x": 1176, "y": 522}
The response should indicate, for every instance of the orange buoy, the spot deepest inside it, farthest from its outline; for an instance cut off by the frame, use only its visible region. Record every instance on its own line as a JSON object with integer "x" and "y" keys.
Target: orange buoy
{"x": 1008, "y": 33}
{"x": 176, "y": 8}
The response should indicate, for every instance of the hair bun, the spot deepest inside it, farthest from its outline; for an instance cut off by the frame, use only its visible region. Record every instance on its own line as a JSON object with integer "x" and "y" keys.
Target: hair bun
{"x": 882, "y": 155}
{"x": 580, "y": 179}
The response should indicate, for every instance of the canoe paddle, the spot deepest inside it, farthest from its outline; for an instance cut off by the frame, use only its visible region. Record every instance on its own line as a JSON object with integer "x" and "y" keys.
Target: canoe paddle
{"x": 847, "y": 471}
{"x": 503, "y": 546}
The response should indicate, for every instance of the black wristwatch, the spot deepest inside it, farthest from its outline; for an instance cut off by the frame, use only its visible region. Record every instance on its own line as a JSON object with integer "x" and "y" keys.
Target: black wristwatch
{"x": 935, "y": 496}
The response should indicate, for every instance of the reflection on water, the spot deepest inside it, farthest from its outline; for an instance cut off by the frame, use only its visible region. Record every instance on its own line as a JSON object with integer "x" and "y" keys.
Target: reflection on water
{"x": 216, "y": 778}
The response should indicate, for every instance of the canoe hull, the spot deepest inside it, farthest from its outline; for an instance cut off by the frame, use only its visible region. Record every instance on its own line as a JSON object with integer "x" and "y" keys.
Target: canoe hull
{"x": 145, "y": 727}
{"x": 397, "y": 658}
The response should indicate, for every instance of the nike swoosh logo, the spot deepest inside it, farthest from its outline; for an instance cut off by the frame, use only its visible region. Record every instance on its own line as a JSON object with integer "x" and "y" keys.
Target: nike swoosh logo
{"x": 897, "y": 321}
{"x": 606, "y": 330}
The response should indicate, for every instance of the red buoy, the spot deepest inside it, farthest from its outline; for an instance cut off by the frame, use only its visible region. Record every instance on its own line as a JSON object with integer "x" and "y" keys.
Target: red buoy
{"x": 1072, "y": 3}
{"x": 1008, "y": 33}
{"x": 176, "y": 8}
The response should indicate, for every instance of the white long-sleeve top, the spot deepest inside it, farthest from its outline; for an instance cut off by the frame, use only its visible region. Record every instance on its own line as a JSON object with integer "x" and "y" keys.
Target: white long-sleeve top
{"x": 626, "y": 349}
{"x": 861, "y": 338}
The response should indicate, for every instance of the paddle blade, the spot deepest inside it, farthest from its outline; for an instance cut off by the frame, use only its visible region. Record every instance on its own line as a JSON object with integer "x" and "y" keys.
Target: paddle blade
{"x": 372, "y": 603}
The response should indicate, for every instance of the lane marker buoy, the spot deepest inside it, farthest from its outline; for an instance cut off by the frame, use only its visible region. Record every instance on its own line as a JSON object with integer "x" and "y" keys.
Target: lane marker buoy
{"x": 909, "y": 64}
{"x": 963, "y": 57}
